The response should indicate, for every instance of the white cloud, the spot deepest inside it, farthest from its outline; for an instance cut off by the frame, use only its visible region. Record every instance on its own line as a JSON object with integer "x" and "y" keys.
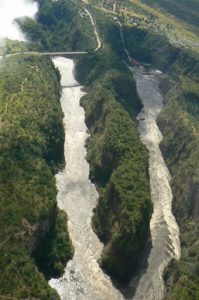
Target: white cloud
{"x": 9, "y": 11}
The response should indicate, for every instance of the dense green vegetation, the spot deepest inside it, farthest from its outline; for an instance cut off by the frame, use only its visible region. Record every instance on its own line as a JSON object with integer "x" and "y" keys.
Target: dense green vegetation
{"x": 121, "y": 164}
{"x": 117, "y": 158}
{"x": 118, "y": 161}
{"x": 55, "y": 249}
{"x": 149, "y": 47}
{"x": 10, "y": 46}
{"x": 60, "y": 25}
{"x": 180, "y": 125}
{"x": 31, "y": 150}
{"x": 179, "y": 122}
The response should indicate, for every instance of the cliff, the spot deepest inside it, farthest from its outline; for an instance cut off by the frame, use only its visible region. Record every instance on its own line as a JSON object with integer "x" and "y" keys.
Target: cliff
{"x": 118, "y": 160}
{"x": 118, "y": 164}
{"x": 31, "y": 150}
{"x": 179, "y": 124}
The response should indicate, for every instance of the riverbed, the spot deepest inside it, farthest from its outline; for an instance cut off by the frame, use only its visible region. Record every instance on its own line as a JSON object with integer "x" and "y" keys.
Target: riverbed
{"x": 83, "y": 279}
{"x": 163, "y": 226}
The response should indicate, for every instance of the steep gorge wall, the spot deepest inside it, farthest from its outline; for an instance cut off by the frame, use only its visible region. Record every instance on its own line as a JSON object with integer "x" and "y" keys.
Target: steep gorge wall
{"x": 32, "y": 137}
{"x": 179, "y": 124}
{"x": 119, "y": 166}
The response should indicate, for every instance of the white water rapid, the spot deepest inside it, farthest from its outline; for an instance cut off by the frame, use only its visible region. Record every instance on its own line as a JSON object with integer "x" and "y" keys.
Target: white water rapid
{"x": 83, "y": 279}
{"x": 163, "y": 226}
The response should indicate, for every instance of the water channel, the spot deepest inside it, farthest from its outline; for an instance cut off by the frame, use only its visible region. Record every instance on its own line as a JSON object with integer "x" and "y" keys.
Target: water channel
{"x": 83, "y": 279}
{"x": 163, "y": 226}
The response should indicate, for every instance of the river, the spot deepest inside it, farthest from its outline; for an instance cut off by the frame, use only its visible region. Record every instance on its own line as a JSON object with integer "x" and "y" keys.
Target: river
{"x": 163, "y": 226}
{"x": 83, "y": 278}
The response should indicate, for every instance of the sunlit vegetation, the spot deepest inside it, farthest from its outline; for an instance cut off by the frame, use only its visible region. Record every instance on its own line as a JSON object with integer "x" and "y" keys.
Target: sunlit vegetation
{"x": 182, "y": 9}
{"x": 31, "y": 150}
{"x": 179, "y": 123}
{"x": 118, "y": 161}
{"x": 155, "y": 15}
{"x": 10, "y": 46}
{"x": 60, "y": 25}
{"x": 181, "y": 149}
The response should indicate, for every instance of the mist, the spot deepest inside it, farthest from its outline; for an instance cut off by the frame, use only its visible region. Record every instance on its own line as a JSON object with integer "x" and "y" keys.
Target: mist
{"x": 9, "y": 11}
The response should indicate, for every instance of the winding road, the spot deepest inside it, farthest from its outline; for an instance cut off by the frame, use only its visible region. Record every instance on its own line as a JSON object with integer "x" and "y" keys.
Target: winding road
{"x": 99, "y": 43}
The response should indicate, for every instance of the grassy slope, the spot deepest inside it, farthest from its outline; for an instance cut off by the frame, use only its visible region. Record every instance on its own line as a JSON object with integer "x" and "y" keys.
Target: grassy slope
{"x": 185, "y": 10}
{"x": 31, "y": 149}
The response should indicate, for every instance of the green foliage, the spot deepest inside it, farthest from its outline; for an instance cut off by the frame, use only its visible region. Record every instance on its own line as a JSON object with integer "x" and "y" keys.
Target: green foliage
{"x": 184, "y": 282}
{"x": 118, "y": 165}
{"x": 149, "y": 47}
{"x": 21, "y": 279}
{"x": 109, "y": 32}
{"x": 10, "y": 46}
{"x": 179, "y": 123}
{"x": 59, "y": 27}
{"x": 31, "y": 150}
{"x": 182, "y": 160}
{"x": 118, "y": 160}
{"x": 180, "y": 126}
{"x": 55, "y": 249}
{"x": 92, "y": 66}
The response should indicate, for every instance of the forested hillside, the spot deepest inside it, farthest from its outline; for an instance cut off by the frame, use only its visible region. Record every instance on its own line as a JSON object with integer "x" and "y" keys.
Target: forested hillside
{"x": 10, "y": 46}
{"x": 33, "y": 231}
{"x": 179, "y": 123}
{"x": 60, "y": 26}
{"x": 118, "y": 160}
{"x": 102, "y": 70}
{"x": 181, "y": 150}
{"x": 31, "y": 148}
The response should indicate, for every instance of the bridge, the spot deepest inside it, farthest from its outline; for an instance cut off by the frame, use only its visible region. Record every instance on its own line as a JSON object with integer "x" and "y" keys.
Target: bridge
{"x": 72, "y": 54}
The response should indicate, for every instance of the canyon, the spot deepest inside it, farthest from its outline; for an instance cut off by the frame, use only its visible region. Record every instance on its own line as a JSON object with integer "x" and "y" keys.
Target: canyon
{"x": 112, "y": 155}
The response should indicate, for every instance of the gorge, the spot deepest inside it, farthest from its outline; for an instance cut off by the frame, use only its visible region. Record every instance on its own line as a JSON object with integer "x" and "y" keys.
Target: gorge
{"x": 163, "y": 226}
{"x": 120, "y": 184}
{"x": 83, "y": 278}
